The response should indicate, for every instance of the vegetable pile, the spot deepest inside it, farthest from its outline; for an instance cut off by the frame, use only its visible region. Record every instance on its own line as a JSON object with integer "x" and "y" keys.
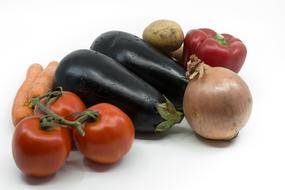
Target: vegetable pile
{"x": 96, "y": 99}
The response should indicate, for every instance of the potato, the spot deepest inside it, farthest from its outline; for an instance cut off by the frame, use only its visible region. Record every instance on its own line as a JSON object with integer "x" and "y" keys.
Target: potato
{"x": 165, "y": 35}
{"x": 177, "y": 54}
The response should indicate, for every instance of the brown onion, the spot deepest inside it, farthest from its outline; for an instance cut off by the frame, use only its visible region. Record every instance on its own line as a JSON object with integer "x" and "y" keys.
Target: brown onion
{"x": 217, "y": 102}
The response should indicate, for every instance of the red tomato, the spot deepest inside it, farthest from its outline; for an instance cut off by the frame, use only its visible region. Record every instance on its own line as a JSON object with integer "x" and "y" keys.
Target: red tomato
{"x": 66, "y": 105}
{"x": 39, "y": 152}
{"x": 108, "y": 138}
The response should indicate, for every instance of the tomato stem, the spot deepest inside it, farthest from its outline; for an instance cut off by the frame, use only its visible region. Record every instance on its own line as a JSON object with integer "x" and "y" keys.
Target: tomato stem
{"x": 52, "y": 119}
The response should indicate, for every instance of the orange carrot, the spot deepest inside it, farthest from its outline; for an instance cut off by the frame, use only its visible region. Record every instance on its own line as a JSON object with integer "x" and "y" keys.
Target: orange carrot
{"x": 20, "y": 108}
{"x": 44, "y": 81}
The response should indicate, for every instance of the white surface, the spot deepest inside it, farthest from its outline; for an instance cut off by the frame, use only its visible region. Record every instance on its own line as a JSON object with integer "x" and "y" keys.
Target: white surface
{"x": 37, "y": 31}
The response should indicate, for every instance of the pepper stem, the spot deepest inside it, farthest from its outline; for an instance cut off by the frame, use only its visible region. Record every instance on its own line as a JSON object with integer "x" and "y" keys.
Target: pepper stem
{"x": 169, "y": 113}
{"x": 221, "y": 39}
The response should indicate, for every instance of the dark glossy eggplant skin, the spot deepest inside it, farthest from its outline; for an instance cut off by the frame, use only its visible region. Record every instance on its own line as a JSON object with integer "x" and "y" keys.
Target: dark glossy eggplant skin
{"x": 149, "y": 64}
{"x": 96, "y": 78}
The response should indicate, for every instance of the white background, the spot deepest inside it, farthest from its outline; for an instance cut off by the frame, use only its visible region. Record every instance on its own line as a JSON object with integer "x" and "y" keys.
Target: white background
{"x": 42, "y": 31}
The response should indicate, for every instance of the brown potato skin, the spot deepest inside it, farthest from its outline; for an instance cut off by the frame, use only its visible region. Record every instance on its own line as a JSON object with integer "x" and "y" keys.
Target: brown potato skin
{"x": 165, "y": 35}
{"x": 217, "y": 105}
{"x": 177, "y": 55}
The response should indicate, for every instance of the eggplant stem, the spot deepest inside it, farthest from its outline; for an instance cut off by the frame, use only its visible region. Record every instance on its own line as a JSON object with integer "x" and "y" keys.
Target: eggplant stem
{"x": 170, "y": 115}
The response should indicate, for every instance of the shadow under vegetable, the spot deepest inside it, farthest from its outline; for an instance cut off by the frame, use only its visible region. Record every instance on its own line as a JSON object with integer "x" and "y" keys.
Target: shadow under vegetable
{"x": 99, "y": 167}
{"x": 217, "y": 143}
{"x": 37, "y": 180}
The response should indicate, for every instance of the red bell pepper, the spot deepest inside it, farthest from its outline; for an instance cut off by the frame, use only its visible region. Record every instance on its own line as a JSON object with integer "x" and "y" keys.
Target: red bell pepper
{"x": 216, "y": 50}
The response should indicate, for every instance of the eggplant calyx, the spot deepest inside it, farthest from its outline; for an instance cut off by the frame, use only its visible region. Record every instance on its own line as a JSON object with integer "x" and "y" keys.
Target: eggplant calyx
{"x": 169, "y": 113}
